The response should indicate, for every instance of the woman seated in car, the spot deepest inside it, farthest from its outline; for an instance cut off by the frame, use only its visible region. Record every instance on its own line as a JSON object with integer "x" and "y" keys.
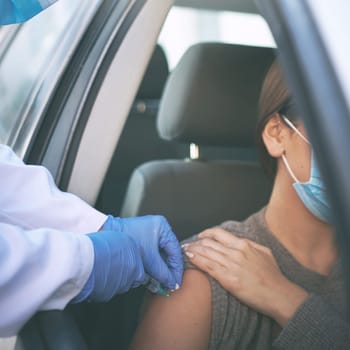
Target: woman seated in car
{"x": 272, "y": 281}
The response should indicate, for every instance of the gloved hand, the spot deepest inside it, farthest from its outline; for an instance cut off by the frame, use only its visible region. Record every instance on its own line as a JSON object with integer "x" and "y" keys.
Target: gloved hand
{"x": 117, "y": 267}
{"x": 160, "y": 249}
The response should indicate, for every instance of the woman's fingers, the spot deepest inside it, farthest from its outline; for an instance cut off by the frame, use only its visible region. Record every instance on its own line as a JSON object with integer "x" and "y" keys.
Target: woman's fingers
{"x": 204, "y": 263}
{"x": 221, "y": 247}
{"x": 208, "y": 242}
{"x": 231, "y": 241}
{"x": 220, "y": 235}
{"x": 215, "y": 251}
{"x": 209, "y": 263}
{"x": 261, "y": 248}
{"x": 209, "y": 249}
{"x": 225, "y": 237}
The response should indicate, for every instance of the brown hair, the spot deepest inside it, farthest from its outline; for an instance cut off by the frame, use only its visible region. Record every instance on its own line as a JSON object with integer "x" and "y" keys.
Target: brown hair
{"x": 274, "y": 97}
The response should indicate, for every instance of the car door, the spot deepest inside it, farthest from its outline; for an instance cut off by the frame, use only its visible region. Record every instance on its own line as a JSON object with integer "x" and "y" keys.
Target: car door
{"x": 67, "y": 110}
{"x": 67, "y": 81}
{"x": 312, "y": 36}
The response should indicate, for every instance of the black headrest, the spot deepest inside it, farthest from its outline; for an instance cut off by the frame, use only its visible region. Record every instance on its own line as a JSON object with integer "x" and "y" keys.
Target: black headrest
{"x": 211, "y": 97}
{"x": 155, "y": 77}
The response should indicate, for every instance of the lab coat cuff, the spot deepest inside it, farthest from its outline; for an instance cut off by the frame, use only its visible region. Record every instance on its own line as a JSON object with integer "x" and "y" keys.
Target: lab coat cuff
{"x": 77, "y": 282}
{"x": 91, "y": 221}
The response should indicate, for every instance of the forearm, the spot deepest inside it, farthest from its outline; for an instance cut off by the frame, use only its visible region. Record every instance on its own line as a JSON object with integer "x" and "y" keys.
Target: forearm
{"x": 285, "y": 301}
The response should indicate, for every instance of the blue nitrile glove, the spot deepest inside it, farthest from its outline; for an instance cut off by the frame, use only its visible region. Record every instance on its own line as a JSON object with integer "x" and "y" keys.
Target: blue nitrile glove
{"x": 161, "y": 251}
{"x": 117, "y": 267}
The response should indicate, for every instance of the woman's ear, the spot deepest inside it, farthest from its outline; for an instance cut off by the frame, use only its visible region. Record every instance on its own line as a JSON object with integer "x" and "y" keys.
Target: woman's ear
{"x": 272, "y": 136}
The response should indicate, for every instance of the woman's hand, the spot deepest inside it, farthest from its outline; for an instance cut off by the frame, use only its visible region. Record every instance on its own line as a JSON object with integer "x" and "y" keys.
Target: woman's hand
{"x": 248, "y": 271}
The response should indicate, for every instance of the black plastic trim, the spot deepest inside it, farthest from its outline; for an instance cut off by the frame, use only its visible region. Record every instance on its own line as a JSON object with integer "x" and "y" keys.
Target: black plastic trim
{"x": 64, "y": 88}
{"x": 60, "y": 125}
{"x": 88, "y": 104}
{"x": 51, "y": 330}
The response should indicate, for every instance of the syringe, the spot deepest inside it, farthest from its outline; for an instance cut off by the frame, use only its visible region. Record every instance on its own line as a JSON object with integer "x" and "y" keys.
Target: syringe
{"x": 155, "y": 287}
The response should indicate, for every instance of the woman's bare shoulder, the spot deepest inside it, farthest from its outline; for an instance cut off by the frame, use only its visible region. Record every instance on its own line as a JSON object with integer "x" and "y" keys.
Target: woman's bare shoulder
{"x": 182, "y": 320}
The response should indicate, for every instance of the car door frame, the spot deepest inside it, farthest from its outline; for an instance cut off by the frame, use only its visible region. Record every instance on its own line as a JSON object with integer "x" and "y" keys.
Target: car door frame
{"x": 76, "y": 106}
{"x": 307, "y": 60}
{"x": 82, "y": 123}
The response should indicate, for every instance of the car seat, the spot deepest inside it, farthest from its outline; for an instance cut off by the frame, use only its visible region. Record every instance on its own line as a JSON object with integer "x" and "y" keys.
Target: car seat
{"x": 210, "y": 99}
{"x": 139, "y": 141}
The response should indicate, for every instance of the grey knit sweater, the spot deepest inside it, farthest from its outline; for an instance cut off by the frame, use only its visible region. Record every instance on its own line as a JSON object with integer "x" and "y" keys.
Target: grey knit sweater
{"x": 318, "y": 324}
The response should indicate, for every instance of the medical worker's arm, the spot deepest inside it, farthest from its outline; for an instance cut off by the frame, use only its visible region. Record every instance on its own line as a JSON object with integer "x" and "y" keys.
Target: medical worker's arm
{"x": 39, "y": 270}
{"x": 30, "y": 199}
{"x": 45, "y": 269}
{"x": 159, "y": 247}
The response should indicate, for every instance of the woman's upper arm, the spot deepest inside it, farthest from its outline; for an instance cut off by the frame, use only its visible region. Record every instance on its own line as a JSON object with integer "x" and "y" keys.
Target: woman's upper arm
{"x": 181, "y": 321}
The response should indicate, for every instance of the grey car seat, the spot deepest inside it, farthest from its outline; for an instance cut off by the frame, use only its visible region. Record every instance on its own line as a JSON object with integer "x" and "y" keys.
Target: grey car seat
{"x": 139, "y": 141}
{"x": 210, "y": 100}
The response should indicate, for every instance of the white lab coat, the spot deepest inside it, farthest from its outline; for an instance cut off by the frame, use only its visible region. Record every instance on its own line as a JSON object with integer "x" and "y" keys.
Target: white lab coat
{"x": 45, "y": 258}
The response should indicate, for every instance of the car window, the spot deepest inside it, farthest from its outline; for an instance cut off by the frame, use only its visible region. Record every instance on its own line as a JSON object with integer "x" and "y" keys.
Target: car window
{"x": 332, "y": 21}
{"x": 26, "y": 61}
{"x": 6, "y": 35}
{"x": 205, "y": 25}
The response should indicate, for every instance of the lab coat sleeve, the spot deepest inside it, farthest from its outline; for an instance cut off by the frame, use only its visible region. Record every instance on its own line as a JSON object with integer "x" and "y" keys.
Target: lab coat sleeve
{"x": 40, "y": 269}
{"x": 30, "y": 199}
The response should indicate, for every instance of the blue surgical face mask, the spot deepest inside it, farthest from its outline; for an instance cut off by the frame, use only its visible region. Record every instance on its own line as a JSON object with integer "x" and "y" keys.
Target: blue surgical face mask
{"x": 313, "y": 192}
{"x": 17, "y": 11}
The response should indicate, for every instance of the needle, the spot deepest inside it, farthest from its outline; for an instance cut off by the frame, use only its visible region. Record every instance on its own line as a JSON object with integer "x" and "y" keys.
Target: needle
{"x": 154, "y": 286}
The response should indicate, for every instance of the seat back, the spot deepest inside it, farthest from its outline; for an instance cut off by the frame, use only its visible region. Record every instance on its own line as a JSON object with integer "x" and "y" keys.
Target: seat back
{"x": 196, "y": 195}
{"x": 211, "y": 100}
{"x": 139, "y": 141}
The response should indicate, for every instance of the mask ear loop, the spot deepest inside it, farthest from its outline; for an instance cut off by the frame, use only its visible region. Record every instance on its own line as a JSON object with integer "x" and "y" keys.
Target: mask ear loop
{"x": 292, "y": 126}
{"x": 289, "y": 169}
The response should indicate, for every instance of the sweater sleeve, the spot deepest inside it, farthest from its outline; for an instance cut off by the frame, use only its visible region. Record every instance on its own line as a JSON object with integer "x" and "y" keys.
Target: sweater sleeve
{"x": 315, "y": 325}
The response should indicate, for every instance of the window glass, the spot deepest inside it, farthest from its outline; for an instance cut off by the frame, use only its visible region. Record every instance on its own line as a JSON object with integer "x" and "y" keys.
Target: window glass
{"x": 185, "y": 27}
{"x": 28, "y": 58}
{"x": 6, "y": 35}
{"x": 1, "y": 34}
{"x": 333, "y": 24}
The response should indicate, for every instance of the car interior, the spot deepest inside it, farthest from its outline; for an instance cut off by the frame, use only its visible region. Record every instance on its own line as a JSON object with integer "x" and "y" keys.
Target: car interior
{"x": 139, "y": 141}
{"x": 144, "y": 139}
{"x": 208, "y": 103}
{"x": 187, "y": 151}
{"x": 210, "y": 99}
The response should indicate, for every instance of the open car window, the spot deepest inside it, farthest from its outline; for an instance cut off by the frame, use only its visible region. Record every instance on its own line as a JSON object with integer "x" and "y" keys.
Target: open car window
{"x": 314, "y": 50}
{"x": 211, "y": 26}
{"x": 27, "y": 63}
